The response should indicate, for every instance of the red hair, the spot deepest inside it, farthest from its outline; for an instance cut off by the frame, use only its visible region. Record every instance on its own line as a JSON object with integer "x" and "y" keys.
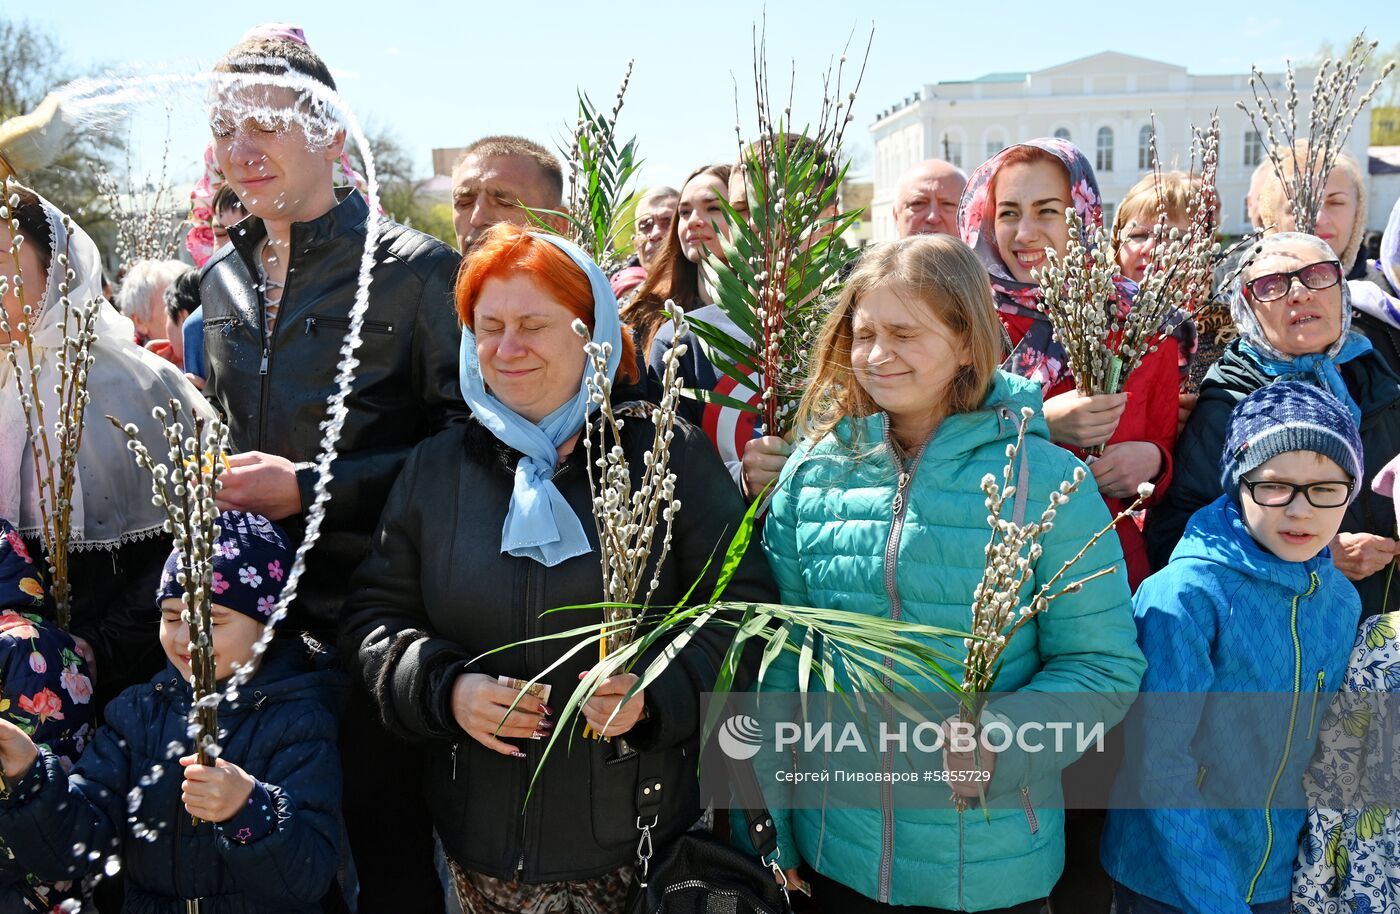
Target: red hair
{"x": 506, "y": 250}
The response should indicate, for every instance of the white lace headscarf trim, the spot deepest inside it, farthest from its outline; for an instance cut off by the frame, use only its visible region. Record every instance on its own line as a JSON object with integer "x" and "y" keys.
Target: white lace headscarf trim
{"x": 111, "y": 495}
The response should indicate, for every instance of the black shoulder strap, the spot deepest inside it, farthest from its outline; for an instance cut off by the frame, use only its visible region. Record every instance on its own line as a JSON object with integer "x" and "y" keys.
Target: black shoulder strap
{"x": 651, "y": 787}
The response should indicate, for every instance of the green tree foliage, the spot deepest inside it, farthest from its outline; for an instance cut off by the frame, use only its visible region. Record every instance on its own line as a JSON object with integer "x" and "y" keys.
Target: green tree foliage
{"x": 31, "y": 66}
{"x": 400, "y": 186}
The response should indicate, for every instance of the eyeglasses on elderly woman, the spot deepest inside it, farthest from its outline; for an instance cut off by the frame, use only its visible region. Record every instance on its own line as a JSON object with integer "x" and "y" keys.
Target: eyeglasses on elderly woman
{"x": 1316, "y": 276}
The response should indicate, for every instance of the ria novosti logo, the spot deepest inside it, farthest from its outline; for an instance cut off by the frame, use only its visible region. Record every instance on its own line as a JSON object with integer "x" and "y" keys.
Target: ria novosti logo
{"x": 740, "y": 737}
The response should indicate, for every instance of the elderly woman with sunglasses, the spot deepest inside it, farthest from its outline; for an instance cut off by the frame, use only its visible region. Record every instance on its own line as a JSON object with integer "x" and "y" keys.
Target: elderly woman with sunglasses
{"x": 1293, "y": 314}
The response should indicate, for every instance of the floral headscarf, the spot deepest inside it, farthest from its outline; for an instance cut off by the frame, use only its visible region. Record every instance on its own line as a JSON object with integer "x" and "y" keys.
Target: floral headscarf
{"x": 1039, "y": 356}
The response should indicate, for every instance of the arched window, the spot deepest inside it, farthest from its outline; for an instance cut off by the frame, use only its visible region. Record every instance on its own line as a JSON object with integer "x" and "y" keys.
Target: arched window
{"x": 1103, "y": 150}
{"x": 1253, "y": 149}
{"x": 1145, "y": 148}
{"x": 1062, "y": 133}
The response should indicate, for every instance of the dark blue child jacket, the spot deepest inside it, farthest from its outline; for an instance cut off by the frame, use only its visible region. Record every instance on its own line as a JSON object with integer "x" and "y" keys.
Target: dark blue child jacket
{"x": 122, "y": 798}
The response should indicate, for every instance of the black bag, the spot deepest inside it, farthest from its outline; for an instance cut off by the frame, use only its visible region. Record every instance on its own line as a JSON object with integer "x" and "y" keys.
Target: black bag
{"x": 700, "y": 874}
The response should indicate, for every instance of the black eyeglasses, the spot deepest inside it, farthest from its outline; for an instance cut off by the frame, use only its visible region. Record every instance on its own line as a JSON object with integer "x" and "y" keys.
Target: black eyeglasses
{"x": 1273, "y": 494}
{"x": 1316, "y": 276}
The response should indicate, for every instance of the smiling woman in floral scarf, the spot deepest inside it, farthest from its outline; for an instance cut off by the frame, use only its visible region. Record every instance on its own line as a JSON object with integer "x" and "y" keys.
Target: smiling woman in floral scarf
{"x": 1012, "y": 212}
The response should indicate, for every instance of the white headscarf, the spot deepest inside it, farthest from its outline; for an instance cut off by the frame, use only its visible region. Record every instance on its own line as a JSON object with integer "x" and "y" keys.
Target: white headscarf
{"x": 111, "y": 494}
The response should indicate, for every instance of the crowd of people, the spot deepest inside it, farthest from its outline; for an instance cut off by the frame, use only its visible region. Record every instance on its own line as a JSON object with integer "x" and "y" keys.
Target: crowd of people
{"x": 383, "y": 757}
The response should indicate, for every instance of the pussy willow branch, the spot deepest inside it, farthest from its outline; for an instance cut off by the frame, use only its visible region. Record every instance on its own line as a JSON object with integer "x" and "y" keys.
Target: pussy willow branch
{"x": 1178, "y": 275}
{"x": 1334, "y": 108}
{"x": 1084, "y": 306}
{"x": 55, "y": 456}
{"x": 145, "y": 227}
{"x": 627, "y": 517}
{"x": 1012, "y": 553}
{"x": 186, "y": 487}
{"x": 788, "y": 190}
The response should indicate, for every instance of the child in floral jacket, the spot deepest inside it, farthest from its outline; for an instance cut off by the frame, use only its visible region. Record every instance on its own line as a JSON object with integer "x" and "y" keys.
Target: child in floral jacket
{"x": 1348, "y": 861}
{"x": 45, "y": 690}
{"x": 266, "y": 837}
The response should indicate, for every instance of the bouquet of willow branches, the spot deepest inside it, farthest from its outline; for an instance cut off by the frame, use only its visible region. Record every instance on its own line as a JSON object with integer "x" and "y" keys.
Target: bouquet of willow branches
{"x": 148, "y": 221}
{"x": 628, "y": 518}
{"x": 599, "y": 174}
{"x": 844, "y": 651}
{"x": 783, "y": 260}
{"x": 54, "y": 436}
{"x": 997, "y": 610}
{"x": 1303, "y": 162}
{"x": 1080, "y": 296}
{"x": 186, "y": 487}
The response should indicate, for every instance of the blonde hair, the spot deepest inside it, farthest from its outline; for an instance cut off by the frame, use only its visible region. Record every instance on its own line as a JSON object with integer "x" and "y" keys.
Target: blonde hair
{"x": 938, "y": 271}
{"x": 1146, "y": 198}
{"x": 1273, "y": 198}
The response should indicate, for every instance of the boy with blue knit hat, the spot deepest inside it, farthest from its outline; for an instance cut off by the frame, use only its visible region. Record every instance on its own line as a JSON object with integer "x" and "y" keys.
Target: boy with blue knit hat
{"x": 265, "y": 832}
{"x": 1251, "y": 603}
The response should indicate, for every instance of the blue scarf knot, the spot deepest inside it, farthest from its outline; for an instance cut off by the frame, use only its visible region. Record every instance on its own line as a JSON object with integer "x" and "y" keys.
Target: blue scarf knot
{"x": 1316, "y": 368}
{"x": 540, "y": 525}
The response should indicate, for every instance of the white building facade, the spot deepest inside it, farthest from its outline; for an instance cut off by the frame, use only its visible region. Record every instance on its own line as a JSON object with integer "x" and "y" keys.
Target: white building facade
{"x": 1104, "y": 104}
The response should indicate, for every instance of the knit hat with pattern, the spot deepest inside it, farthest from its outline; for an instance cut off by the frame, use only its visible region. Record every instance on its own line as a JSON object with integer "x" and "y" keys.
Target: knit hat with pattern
{"x": 1289, "y": 416}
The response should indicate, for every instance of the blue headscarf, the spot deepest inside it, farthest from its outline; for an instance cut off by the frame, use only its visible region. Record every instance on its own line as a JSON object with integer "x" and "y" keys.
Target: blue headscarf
{"x": 1318, "y": 368}
{"x": 540, "y": 524}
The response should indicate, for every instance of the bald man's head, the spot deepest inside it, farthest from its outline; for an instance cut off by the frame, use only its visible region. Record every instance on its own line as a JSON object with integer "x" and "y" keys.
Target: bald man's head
{"x": 926, "y": 199}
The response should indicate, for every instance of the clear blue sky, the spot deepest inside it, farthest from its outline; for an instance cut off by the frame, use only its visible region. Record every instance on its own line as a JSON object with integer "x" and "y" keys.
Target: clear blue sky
{"x": 441, "y": 74}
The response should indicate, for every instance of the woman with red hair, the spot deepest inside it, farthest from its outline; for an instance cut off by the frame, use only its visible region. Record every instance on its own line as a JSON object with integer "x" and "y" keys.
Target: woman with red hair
{"x": 490, "y": 525}
{"x": 1012, "y": 213}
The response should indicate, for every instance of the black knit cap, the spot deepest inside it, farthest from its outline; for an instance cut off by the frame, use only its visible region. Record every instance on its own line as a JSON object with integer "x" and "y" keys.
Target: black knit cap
{"x": 1289, "y": 416}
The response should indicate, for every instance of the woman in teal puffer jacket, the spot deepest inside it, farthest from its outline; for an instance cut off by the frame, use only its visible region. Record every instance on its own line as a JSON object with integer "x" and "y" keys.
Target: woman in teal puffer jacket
{"x": 879, "y": 511}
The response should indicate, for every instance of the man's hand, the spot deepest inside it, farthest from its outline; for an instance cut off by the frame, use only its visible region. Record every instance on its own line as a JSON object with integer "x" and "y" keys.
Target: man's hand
{"x": 260, "y": 484}
{"x": 214, "y": 793}
{"x": 1360, "y": 555}
{"x": 1082, "y": 421}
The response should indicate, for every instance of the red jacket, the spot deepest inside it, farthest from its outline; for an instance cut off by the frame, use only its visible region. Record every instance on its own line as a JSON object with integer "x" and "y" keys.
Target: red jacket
{"x": 1150, "y": 416}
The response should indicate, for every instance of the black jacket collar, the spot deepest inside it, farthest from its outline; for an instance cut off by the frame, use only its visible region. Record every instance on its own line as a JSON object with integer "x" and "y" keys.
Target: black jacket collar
{"x": 348, "y": 215}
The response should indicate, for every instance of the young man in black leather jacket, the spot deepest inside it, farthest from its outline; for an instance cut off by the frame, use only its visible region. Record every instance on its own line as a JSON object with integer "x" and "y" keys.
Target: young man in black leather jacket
{"x": 276, "y": 308}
